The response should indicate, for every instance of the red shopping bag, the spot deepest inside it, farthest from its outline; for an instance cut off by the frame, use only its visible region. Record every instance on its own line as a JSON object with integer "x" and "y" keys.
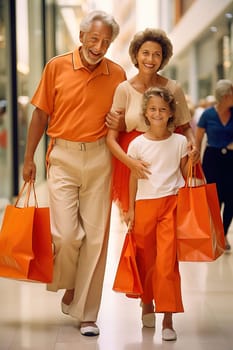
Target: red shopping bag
{"x": 127, "y": 279}
{"x": 200, "y": 233}
{"x": 25, "y": 241}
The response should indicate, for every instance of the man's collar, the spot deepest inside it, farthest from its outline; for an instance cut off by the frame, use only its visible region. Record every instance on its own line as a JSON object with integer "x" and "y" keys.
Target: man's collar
{"x": 102, "y": 68}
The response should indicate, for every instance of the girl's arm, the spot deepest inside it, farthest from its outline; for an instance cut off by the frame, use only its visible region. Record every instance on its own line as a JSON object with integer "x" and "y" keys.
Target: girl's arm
{"x": 129, "y": 216}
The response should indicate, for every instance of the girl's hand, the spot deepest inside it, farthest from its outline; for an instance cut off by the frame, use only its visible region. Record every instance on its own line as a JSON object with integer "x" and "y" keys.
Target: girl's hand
{"x": 129, "y": 218}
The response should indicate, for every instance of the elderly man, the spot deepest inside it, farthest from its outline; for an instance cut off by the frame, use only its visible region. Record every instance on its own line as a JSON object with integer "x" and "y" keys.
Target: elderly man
{"x": 74, "y": 95}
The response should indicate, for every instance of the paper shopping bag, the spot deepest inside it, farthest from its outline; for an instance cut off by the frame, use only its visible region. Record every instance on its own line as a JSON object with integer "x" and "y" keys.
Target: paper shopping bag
{"x": 25, "y": 241}
{"x": 127, "y": 279}
{"x": 200, "y": 233}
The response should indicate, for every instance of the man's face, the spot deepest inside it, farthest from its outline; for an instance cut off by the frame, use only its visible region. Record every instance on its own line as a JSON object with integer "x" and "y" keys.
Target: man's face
{"x": 95, "y": 43}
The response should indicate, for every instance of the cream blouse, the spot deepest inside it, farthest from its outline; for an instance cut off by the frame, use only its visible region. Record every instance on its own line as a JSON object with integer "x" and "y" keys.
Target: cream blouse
{"x": 130, "y": 100}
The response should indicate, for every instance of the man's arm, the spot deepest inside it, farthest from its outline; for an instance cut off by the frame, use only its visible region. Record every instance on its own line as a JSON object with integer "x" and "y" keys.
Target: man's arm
{"x": 36, "y": 129}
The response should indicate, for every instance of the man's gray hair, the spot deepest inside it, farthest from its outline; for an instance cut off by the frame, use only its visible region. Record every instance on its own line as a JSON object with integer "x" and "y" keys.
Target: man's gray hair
{"x": 103, "y": 17}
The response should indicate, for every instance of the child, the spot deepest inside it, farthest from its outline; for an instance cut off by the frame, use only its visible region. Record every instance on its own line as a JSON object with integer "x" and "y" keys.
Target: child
{"x": 152, "y": 208}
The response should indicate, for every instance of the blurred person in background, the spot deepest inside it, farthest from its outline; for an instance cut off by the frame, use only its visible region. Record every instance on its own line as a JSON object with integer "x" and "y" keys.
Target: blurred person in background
{"x": 150, "y": 50}
{"x": 217, "y": 123}
{"x": 74, "y": 95}
{"x": 198, "y": 110}
{"x": 203, "y": 103}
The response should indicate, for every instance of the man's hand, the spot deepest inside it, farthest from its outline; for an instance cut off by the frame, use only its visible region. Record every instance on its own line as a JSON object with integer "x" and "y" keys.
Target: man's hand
{"x": 116, "y": 120}
{"x": 29, "y": 170}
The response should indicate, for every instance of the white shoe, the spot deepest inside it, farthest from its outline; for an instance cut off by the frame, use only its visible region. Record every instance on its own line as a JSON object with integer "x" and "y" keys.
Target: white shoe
{"x": 89, "y": 331}
{"x": 169, "y": 334}
{"x": 148, "y": 320}
{"x": 227, "y": 246}
{"x": 65, "y": 308}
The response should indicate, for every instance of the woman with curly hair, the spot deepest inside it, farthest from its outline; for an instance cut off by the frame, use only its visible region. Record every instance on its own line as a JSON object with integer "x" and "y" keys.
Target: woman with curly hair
{"x": 150, "y": 51}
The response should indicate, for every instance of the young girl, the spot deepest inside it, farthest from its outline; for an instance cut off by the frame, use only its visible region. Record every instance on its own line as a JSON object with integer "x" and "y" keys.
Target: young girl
{"x": 152, "y": 208}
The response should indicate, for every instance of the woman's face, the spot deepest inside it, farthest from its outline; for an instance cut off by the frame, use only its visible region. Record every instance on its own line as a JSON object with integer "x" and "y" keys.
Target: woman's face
{"x": 149, "y": 57}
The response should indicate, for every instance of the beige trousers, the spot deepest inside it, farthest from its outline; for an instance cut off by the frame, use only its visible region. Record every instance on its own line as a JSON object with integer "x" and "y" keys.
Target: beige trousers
{"x": 79, "y": 177}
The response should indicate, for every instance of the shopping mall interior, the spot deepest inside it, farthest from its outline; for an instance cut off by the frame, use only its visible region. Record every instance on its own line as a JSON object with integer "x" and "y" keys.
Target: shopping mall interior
{"x": 32, "y": 32}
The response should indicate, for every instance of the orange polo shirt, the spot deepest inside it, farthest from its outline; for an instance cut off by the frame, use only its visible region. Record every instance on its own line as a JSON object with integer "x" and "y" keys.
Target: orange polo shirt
{"x": 76, "y": 99}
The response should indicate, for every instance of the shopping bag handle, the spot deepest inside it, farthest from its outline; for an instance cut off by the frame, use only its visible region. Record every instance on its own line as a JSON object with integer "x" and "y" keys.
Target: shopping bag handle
{"x": 191, "y": 179}
{"x": 30, "y": 189}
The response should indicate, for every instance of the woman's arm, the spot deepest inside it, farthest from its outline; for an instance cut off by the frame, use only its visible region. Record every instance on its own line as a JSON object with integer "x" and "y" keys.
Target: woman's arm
{"x": 139, "y": 168}
{"x": 194, "y": 152}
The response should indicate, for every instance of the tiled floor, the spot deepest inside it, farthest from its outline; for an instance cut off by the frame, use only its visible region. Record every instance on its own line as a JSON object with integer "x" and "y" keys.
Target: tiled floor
{"x": 30, "y": 317}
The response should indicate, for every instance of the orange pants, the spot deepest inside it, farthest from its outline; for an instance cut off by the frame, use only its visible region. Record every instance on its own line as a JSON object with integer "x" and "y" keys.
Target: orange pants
{"x": 155, "y": 236}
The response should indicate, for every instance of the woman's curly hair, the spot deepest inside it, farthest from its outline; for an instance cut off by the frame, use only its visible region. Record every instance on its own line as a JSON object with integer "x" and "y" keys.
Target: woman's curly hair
{"x": 155, "y": 35}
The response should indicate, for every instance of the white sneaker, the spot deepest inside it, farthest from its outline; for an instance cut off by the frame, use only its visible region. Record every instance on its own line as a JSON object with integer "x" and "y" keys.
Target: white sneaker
{"x": 169, "y": 334}
{"x": 148, "y": 320}
{"x": 227, "y": 246}
{"x": 89, "y": 330}
{"x": 65, "y": 308}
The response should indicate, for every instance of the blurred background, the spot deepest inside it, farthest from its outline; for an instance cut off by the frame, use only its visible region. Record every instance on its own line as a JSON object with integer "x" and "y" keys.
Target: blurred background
{"x": 33, "y": 31}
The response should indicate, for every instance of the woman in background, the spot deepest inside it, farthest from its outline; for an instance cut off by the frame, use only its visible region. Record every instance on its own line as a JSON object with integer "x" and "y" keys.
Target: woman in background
{"x": 217, "y": 123}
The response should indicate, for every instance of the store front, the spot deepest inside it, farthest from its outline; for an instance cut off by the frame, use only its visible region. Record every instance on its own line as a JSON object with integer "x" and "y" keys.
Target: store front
{"x": 31, "y": 32}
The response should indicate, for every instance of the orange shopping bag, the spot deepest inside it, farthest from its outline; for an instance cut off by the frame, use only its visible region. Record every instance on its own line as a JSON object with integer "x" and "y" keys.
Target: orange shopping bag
{"x": 25, "y": 241}
{"x": 127, "y": 279}
{"x": 200, "y": 233}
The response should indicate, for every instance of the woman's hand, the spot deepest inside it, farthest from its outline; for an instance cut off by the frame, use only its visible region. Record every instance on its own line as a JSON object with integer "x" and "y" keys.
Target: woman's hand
{"x": 193, "y": 153}
{"x": 139, "y": 168}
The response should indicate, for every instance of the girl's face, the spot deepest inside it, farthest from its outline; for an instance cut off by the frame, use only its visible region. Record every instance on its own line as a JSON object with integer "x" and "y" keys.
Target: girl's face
{"x": 149, "y": 57}
{"x": 158, "y": 111}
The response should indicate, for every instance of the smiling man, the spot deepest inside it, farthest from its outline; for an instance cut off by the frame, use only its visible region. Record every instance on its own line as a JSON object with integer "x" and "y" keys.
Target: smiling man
{"x": 71, "y": 102}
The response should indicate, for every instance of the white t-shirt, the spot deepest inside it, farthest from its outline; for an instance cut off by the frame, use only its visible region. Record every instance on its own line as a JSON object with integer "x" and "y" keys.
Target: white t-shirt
{"x": 164, "y": 157}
